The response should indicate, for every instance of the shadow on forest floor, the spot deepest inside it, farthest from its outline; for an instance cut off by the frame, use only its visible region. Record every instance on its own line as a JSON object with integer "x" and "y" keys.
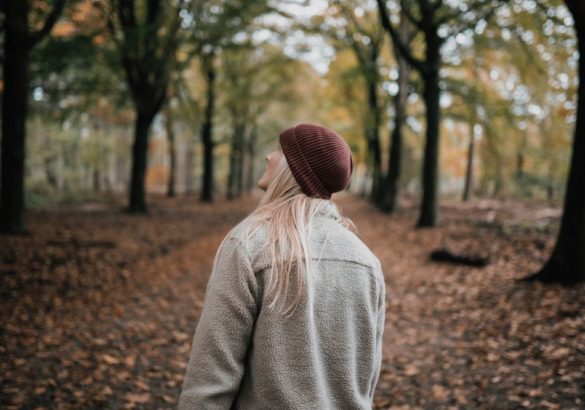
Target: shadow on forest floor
{"x": 98, "y": 308}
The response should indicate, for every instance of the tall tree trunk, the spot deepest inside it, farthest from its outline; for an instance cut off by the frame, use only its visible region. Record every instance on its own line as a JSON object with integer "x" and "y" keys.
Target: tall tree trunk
{"x": 374, "y": 135}
{"x": 240, "y": 162}
{"x": 252, "y": 140}
{"x": 97, "y": 187}
{"x": 233, "y": 161}
{"x": 207, "y": 130}
{"x": 18, "y": 41}
{"x": 467, "y": 191}
{"x": 189, "y": 165}
{"x": 172, "y": 152}
{"x": 428, "y": 211}
{"x": 567, "y": 261}
{"x": 14, "y": 107}
{"x": 137, "y": 198}
{"x": 400, "y": 100}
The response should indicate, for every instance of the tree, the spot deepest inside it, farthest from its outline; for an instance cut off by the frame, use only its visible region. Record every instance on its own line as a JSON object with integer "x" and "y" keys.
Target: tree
{"x": 392, "y": 180}
{"x": 366, "y": 44}
{"x": 360, "y": 33}
{"x": 19, "y": 40}
{"x": 209, "y": 71}
{"x": 146, "y": 36}
{"x": 169, "y": 122}
{"x": 428, "y": 18}
{"x": 254, "y": 75}
{"x": 567, "y": 261}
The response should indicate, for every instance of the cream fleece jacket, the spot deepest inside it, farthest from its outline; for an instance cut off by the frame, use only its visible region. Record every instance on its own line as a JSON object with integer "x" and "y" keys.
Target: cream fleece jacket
{"x": 326, "y": 356}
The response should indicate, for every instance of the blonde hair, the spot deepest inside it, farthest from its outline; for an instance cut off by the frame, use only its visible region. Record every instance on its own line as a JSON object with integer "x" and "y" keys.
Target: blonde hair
{"x": 286, "y": 211}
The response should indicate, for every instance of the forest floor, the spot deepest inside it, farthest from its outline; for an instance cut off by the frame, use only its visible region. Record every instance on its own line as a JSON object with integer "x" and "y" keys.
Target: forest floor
{"x": 98, "y": 308}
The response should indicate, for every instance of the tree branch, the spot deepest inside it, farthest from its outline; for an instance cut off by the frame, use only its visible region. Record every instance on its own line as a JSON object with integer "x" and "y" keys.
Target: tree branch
{"x": 402, "y": 48}
{"x": 471, "y": 24}
{"x": 35, "y": 37}
{"x": 409, "y": 15}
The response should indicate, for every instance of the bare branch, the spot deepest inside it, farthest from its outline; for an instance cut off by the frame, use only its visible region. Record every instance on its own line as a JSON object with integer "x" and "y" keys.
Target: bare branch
{"x": 487, "y": 15}
{"x": 50, "y": 21}
{"x": 408, "y": 13}
{"x": 402, "y": 48}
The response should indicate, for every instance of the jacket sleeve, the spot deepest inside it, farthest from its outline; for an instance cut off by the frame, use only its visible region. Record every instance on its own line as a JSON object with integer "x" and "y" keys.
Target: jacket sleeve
{"x": 380, "y": 320}
{"x": 222, "y": 335}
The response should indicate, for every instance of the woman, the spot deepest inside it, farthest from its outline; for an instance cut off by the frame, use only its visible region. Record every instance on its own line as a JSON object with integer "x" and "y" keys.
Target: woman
{"x": 295, "y": 304}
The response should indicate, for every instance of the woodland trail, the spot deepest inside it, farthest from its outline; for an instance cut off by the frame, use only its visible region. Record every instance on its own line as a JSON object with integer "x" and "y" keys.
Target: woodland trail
{"x": 98, "y": 307}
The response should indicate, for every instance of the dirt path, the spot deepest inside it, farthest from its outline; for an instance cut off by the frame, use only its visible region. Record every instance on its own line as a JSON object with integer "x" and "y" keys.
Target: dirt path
{"x": 99, "y": 308}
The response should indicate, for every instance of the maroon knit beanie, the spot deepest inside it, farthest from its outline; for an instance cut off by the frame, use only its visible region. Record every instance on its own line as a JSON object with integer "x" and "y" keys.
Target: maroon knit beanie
{"x": 319, "y": 159}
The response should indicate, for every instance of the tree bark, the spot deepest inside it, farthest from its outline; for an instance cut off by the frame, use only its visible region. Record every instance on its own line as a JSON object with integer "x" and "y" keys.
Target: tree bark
{"x": 14, "y": 107}
{"x": 240, "y": 162}
{"x": 207, "y": 130}
{"x": 172, "y": 153}
{"x": 567, "y": 261}
{"x": 428, "y": 211}
{"x": 251, "y": 144}
{"x": 400, "y": 99}
{"x": 233, "y": 161}
{"x": 189, "y": 165}
{"x": 374, "y": 135}
{"x": 467, "y": 191}
{"x": 18, "y": 41}
{"x": 139, "y": 154}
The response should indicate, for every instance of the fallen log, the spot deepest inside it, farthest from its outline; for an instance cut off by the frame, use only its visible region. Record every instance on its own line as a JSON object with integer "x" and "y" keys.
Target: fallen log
{"x": 445, "y": 255}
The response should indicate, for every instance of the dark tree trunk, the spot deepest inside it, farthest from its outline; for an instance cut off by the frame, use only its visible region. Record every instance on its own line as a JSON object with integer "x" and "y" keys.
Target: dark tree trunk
{"x": 233, "y": 161}
{"x": 97, "y": 177}
{"x": 207, "y": 130}
{"x": 567, "y": 261}
{"x": 550, "y": 188}
{"x": 240, "y": 162}
{"x": 139, "y": 156}
{"x": 394, "y": 164}
{"x": 18, "y": 42}
{"x": 14, "y": 107}
{"x": 189, "y": 165}
{"x": 374, "y": 136}
{"x": 395, "y": 155}
{"x": 520, "y": 160}
{"x": 52, "y": 179}
{"x": 148, "y": 60}
{"x": 467, "y": 191}
{"x": 428, "y": 211}
{"x": 251, "y": 144}
{"x": 172, "y": 153}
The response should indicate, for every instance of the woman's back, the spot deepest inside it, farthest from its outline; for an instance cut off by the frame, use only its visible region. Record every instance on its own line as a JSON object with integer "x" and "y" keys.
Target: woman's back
{"x": 326, "y": 355}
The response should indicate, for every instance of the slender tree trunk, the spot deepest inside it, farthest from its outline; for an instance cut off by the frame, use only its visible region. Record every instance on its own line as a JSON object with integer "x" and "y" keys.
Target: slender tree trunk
{"x": 240, "y": 162}
{"x": 14, "y": 107}
{"x": 366, "y": 173}
{"x": 567, "y": 261}
{"x": 428, "y": 211}
{"x": 233, "y": 160}
{"x": 374, "y": 136}
{"x": 520, "y": 160}
{"x": 189, "y": 165}
{"x": 139, "y": 162}
{"x": 400, "y": 100}
{"x": 252, "y": 140}
{"x": 207, "y": 130}
{"x": 52, "y": 179}
{"x": 172, "y": 152}
{"x": 467, "y": 191}
{"x": 97, "y": 177}
{"x": 550, "y": 189}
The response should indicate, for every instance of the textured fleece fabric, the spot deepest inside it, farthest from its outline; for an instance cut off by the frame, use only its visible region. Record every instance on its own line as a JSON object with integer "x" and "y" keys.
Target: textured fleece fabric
{"x": 327, "y": 355}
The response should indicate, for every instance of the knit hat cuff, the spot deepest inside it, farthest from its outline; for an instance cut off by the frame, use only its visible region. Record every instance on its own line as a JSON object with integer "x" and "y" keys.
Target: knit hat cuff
{"x": 302, "y": 172}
